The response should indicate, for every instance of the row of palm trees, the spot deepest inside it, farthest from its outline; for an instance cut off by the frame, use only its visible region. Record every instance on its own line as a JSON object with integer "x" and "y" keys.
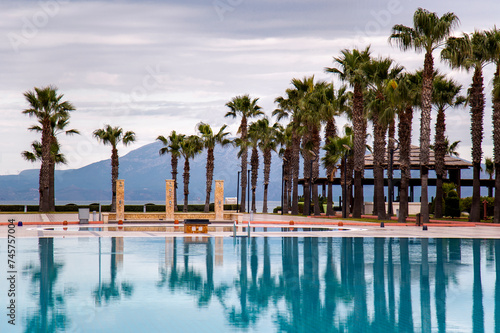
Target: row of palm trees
{"x": 382, "y": 92}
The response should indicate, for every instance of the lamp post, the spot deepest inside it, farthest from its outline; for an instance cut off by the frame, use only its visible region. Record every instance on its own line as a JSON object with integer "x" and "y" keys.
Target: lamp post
{"x": 344, "y": 190}
{"x": 391, "y": 185}
{"x": 238, "y": 193}
{"x": 313, "y": 159}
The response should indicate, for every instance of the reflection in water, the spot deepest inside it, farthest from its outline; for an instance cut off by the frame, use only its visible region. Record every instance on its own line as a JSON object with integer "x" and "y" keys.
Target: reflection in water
{"x": 50, "y": 316}
{"x": 290, "y": 284}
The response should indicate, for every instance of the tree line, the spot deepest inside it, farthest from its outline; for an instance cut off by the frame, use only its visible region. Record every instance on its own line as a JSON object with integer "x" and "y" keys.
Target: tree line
{"x": 375, "y": 90}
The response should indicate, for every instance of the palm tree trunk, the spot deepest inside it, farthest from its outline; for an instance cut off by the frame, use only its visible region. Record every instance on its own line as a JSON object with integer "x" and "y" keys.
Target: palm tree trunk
{"x": 477, "y": 110}
{"x": 425, "y": 134}
{"x": 404, "y": 131}
{"x": 295, "y": 172}
{"x": 359, "y": 142}
{"x": 378, "y": 169}
{"x": 210, "y": 176}
{"x": 52, "y": 203}
{"x": 286, "y": 176}
{"x": 114, "y": 176}
{"x": 254, "y": 161}
{"x": 267, "y": 171}
{"x": 307, "y": 184}
{"x": 44, "y": 181}
{"x": 439, "y": 153}
{"x": 496, "y": 146}
{"x": 173, "y": 162}
{"x": 185, "y": 175}
{"x": 316, "y": 138}
{"x": 244, "y": 158}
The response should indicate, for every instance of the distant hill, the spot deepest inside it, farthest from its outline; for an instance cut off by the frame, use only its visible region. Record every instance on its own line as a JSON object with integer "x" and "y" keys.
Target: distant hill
{"x": 145, "y": 171}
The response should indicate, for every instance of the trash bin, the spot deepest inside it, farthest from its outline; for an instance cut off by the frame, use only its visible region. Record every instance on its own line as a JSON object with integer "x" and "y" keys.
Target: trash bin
{"x": 83, "y": 215}
{"x": 418, "y": 219}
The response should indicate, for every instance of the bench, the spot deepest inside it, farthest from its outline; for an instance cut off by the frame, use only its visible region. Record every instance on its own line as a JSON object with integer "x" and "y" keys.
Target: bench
{"x": 196, "y": 226}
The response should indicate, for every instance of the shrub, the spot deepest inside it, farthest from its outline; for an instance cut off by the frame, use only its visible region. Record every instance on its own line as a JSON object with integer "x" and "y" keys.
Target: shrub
{"x": 452, "y": 205}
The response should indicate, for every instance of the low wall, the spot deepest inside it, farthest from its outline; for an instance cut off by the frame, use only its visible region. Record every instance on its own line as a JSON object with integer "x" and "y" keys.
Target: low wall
{"x": 413, "y": 207}
{"x": 180, "y": 216}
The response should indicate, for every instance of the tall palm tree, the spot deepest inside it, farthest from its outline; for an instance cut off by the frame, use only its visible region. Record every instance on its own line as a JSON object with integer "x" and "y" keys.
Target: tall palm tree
{"x": 312, "y": 105}
{"x": 267, "y": 143}
{"x": 47, "y": 106}
{"x": 334, "y": 105}
{"x": 244, "y": 107}
{"x": 335, "y": 149}
{"x": 210, "y": 140}
{"x": 405, "y": 96}
{"x": 349, "y": 70}
{"x": 288, "y": 107}
{"x": 445, "y": 94}
{"x": 190, "y": 147}
{"x": 471, "y": 52}
{"x": 380, "y": 73}
{"x": 172, "y": 145}
{"x": 113, "y": 136}
{"x": 494, "y": 47}
{"x": 58, "y": 124}
{"x": 284, "y": 138}
{"x": 254, "y": 141}
{"x": 429, "y": 31}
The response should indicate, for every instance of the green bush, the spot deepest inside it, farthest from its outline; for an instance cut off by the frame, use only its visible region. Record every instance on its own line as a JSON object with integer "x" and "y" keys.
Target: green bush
{"x": 452, "y": 205}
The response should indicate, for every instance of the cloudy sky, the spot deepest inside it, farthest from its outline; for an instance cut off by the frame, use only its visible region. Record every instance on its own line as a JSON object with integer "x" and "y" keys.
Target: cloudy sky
{"x": 157, "y": 66}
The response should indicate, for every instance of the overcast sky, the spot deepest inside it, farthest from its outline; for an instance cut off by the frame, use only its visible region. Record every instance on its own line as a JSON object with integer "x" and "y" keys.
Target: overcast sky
{"x": 157, "y": 66}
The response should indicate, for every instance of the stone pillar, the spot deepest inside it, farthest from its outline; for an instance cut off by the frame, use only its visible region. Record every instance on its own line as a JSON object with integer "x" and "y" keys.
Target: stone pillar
{"x": 169, "y": 199}
{"x": 219, "y": 200}
{"x": 120, "y": 203}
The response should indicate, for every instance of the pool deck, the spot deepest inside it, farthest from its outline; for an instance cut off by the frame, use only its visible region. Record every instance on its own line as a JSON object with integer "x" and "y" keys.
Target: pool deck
{"x": 51, "y": 225}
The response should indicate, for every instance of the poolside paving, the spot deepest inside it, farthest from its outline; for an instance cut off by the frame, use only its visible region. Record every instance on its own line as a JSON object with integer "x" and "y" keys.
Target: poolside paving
{"x": 50, "y": 225}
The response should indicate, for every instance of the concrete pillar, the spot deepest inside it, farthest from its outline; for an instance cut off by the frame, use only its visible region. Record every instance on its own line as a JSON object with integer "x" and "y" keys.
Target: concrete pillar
{"x": 169, "y": 199}
{"x": 219, "y": 200}
{"x": 120, "y": 203}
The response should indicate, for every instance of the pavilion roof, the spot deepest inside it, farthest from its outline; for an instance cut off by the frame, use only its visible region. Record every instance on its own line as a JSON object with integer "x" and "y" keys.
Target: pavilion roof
{"x": 450, "y": 162}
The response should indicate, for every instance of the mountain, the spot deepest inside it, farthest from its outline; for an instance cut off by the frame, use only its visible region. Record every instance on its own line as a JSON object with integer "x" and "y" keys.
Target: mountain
{"x": 145, "y": 171}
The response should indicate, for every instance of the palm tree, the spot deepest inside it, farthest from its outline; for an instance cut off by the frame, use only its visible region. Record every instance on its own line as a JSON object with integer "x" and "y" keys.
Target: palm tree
{"x": 254, "y": 141}
{"x": 58, "y": 125}
{"x": 471, "y": 51}
{"x": 113, "y": 136}
{"x": 209, "y": 141}
{"x": 190, "y": 147}
{"x": 245, "y": 107}
{"x": 284, "y": 138}
{"x": 380, "y": 74}
{"x": 334, "y": 105}
{"x": 288, "y": 107}
{"x": 172, "y": 145}
{"x": 45, "y": 104}
{"x": 429, "y": 31}
{"x": 335, "y": 149}
{"x": 350, "y": 70}
{"x": 494, "y": 47}
{"x": 267, "y": 143}
{"x": 444, "y": 94}
{"x": 490, "y": 170}
{"x": 405, "y": 96}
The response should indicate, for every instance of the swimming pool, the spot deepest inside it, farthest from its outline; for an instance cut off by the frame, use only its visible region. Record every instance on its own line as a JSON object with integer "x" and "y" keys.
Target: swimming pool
{"x": 290, "y": 284}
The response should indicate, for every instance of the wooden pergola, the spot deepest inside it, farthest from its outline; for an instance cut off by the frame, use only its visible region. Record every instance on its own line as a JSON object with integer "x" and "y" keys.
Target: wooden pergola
{"x": 453, "y": 165}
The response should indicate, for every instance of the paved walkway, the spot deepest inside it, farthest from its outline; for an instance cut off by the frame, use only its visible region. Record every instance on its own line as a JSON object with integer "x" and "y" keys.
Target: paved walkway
{"x": 50, "y": 225}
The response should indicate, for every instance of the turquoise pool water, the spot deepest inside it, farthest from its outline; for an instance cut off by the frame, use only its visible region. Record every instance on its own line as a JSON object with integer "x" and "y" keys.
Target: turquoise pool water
{"x": 253, "y": 285}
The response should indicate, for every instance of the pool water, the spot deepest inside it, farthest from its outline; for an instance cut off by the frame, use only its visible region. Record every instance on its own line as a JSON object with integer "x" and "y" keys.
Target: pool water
{"x": 290, "y": 284}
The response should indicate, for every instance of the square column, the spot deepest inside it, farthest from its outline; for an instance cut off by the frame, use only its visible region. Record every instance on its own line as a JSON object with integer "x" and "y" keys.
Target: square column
{"x": 169, "y": 199}
{"x": 219, "y": 200}
{"x": 120, "y": 196}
